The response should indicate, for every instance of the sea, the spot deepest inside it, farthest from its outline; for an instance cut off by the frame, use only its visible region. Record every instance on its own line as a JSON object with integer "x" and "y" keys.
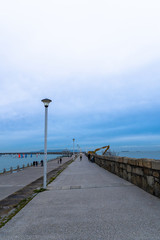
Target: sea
{"x": 135, "y": 154}
{"x": 140, "y": 154}
{"x": 13, "y": 160}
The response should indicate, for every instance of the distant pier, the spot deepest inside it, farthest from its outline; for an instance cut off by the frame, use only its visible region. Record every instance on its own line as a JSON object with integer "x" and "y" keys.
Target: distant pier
{"x": 14, "y": 153}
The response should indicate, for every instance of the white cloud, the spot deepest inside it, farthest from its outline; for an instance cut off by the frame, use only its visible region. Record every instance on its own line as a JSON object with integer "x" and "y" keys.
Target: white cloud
{"x": 136, "y": 138}
{"x": 21, "y": 94}
{"x": 89, "y": 57}
{"x": 82, "y": 36}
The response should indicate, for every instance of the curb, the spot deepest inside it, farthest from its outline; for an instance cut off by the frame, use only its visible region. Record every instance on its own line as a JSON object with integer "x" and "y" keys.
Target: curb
{"x": 16, "y": 201}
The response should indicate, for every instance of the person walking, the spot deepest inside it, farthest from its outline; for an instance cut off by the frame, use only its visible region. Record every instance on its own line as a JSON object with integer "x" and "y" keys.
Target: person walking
{"x": 80, "y": 156}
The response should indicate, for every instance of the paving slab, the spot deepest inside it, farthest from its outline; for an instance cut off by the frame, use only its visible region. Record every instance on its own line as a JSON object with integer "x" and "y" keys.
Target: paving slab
{"x": 12, "y": 182}
{"x": 86, "y": 202}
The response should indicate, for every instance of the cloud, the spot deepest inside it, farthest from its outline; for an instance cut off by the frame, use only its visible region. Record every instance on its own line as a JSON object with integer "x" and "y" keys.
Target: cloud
{"x": 137, "y": 138}
{"x": 97, "y": 61}
{"x": 81, "y": 96}
{"x": 64, "y": 38}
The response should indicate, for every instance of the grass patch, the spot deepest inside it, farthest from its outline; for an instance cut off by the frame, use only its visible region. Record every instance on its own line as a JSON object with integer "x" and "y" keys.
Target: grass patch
{"x": 22, "y": 204}
{"x": 39, "y": 190}
{"x": 53, "y": 178}
{"x": 25, "y": 201}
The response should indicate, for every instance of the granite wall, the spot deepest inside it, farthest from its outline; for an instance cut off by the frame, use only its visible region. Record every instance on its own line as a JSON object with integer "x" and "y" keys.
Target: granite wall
{"x": 145, "y": 173}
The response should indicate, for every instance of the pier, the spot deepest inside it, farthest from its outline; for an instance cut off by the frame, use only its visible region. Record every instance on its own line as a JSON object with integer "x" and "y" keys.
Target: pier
{"x": 87, "y": 202}
{"x": 29, "y": 153}
{"x": 12, "y": 182}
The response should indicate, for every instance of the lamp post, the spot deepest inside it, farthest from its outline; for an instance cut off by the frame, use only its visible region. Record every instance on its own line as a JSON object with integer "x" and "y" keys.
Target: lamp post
{"x": 73, "y": 147}
{"x": 78, "y": 146}
{"x": 46, "y": 102}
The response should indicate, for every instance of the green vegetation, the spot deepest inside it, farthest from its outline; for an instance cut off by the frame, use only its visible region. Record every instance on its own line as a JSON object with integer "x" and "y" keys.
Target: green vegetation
{"x": 38, "y": 190}
{"x": 24, "y": 202}
{"x": 53, "y": 178}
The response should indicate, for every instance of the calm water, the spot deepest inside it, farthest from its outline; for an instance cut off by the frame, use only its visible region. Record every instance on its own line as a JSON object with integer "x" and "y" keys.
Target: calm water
{"x": 141, "y": 154}
{"x": 7, "y": 161}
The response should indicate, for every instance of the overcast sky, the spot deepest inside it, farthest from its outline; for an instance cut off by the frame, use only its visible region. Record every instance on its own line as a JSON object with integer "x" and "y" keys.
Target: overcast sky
{"x": 97, "y": 60}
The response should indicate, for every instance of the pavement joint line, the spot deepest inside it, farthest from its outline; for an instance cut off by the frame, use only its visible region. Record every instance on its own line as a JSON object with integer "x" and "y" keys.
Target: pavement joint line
{"x": 25, "y": 193}
{"x": 89, "y": 187}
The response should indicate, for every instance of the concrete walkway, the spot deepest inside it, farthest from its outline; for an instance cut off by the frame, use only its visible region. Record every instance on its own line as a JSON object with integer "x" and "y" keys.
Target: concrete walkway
{"x": 86, "y": 202}
{"x": 12, "y": 182}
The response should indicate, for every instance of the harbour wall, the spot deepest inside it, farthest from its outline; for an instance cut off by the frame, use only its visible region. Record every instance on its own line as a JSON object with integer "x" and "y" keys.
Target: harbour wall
{"x": 145, "y": 173}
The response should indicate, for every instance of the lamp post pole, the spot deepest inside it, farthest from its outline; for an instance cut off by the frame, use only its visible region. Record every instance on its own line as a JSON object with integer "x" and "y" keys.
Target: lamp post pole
{"x": 78, "y": 147}
{"x": 73, "y": 147}
{"x": 46, "y": 104}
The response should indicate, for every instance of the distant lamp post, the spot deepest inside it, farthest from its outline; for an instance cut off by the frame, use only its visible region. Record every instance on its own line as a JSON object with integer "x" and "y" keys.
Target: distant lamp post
{"x": 73, "y": 146}
{"x": 78, "y": 147}
{"x": 46, "y": 102}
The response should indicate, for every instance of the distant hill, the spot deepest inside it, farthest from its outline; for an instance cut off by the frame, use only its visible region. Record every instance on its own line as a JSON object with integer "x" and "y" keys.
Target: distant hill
{"x": 57, "y": 150}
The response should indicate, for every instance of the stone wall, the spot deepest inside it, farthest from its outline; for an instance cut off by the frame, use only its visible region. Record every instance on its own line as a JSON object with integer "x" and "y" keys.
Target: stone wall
{"x": 145, "y": 173}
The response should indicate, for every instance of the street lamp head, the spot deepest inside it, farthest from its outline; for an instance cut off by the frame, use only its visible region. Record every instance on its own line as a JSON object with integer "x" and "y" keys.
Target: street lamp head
{"x": 46, "y": 102}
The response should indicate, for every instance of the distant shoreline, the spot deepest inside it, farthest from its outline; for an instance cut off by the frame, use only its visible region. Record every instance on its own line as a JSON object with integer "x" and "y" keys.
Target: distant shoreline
{"x": 13, "y": 153}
